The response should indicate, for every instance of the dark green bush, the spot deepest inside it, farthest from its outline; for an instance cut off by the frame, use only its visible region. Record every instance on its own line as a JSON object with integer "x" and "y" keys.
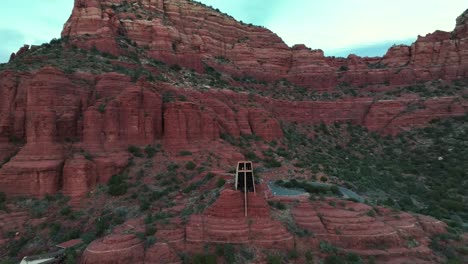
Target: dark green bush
{"x": 150, "y": 230}
{"x": 66, "y": 210}
{"x": 176, "y": 67}
{"x": 190, "y": 165}
{"x": 185, "y": 153}
{"x": 220, "y": 183}
{"x": 117, "y": 185}
{"x": 277, "y": 205}
{"x": 251, "y": 156}
{"x": 172, "y": 167}
{"x": 150, "y": 151}
{"x": 271, "y": 163}
{"x": 274, "y": 259}
{"x": 102, "y": 108}
{"x": 135, "y": 151}
{"x": 293, "y": 254}
{"x": 204, "y": 259}
{"x": 334, "y": 259}
{"x": 2, "y": 199}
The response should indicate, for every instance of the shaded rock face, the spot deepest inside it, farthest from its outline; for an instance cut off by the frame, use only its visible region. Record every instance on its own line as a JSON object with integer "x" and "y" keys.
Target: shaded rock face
{"x": 187, "y": 33}
{"x": 134, "y": 117}
{"x": 384, "y": 234}
{"x": 37, "y": 167}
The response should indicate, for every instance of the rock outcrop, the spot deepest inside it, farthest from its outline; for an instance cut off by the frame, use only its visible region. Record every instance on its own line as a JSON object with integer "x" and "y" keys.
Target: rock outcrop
{"x": 190, "y": 34}
{"x": 224, "y": 222}
{"x": 359, "y": 228}
{"x": 115, "y": 249}
{"x": 69, "y": 130}
{"x": 161, "y": 253}
{"x": 54, "y": 115}
{"x": 76, "y": 127}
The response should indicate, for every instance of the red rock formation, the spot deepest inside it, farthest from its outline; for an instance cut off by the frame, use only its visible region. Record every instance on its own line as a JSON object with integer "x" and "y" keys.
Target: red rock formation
{"x": 20, "y": 52}
{"x": 189, "y": 34}
{"x": 38, "y": 165}
{"x": 161, "y": 253}
{"x": 264, "y": 125}
{"x": 55, "y": 109}
{"x": 79, "y": 175}
{"x": 224, "y": 222}
{"x": 120, "y": 249}
{"x": 185, "y": 122}
{"x": 133, "y": 118}
{"x": 386, "y": 234}
{"x": 107, "y": 113}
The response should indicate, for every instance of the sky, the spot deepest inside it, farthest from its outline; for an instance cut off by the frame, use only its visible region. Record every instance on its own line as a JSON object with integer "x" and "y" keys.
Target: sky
{"x": 339, "y": 27}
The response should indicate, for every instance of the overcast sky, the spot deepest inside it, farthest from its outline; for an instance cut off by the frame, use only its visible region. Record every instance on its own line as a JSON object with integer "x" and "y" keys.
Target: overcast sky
{"x": 339, "y": 27}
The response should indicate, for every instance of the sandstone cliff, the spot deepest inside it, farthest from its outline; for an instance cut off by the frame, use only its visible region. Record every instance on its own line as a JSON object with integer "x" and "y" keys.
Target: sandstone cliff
{"x": 194, "y": 84}
{"x": 192, "y": 35}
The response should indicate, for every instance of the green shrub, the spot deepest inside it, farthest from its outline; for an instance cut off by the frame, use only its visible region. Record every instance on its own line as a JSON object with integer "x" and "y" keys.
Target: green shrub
{"x": 343, "y": 68}
{"x": 150, "y": 230}
{"x": 220, "y": 183}
{"x": 117, "y": 185}
{"x": 66, "y": 210}
{"x": 325, "y": 247}
{"x": 274, "y": 259}
{"x": 334, "y": 259}
{"x": 371, "y": 213}
{"x": 204, "y": 259}
{"x": 135, "y": 151}
{"x": 176, "y": 67}
{"x": 87, "y": 156}
{"x": 228, "y": 253}
{"x": 271, "y": 163}
{"x": 16, "y": 140}
{"x": 352, "y": 257}
{"x": 172, "y": 167}
{"x": 309, "y": 256}
{"x": 2, "y": 199}
{"x": 185, "y": 153}
{"x": 277, "y": 205}
{"x": 293, "y": 254}
{"x": 144, "y": 204}
{"x": 190, "y": 165}
{"x": 251, "y": 156}
{"x": 102, "y": 108}
{"x": 168, "y": 97}
{"x": 150, "y": 151}
{"x": 190, "y": 188}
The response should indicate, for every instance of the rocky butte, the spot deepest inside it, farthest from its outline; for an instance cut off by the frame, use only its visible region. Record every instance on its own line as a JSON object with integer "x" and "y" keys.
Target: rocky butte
{"x": 151, "y": 102}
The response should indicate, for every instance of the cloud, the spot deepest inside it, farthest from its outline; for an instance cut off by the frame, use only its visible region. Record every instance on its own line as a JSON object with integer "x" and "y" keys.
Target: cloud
{"x": 10, "y": 43}
{"x": 249, "y": 11}
{"x": 30, "y": 22}
{"x": 367, "y": 50}
{"x": 336, "y": 26}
